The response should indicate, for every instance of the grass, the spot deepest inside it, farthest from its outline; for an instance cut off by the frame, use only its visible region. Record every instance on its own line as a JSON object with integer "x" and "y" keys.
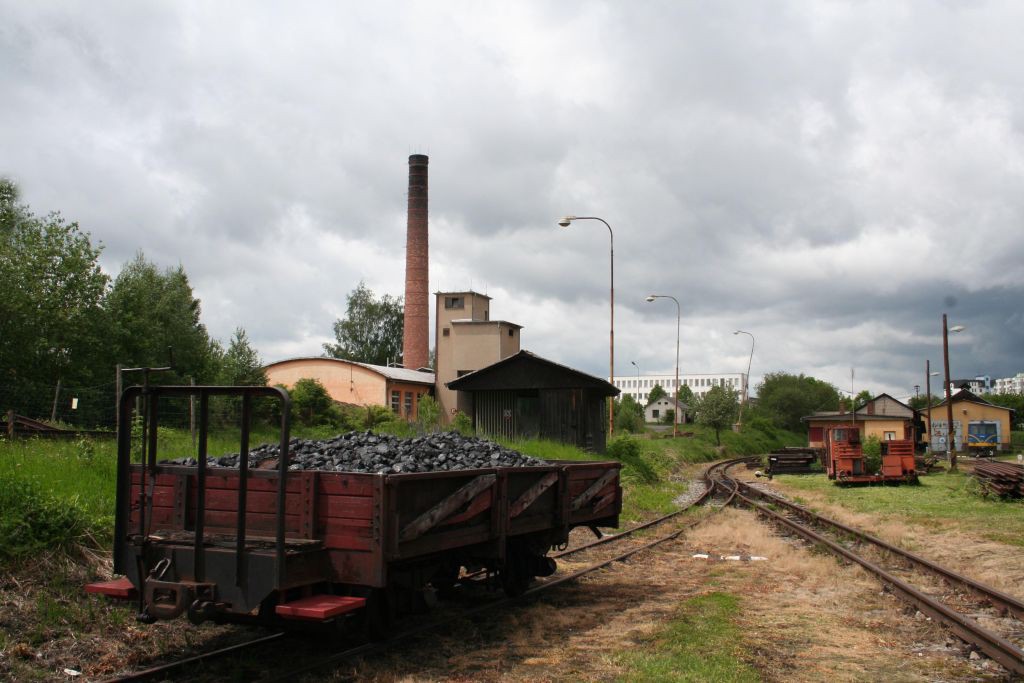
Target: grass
{"x": 940, "y": 500}
{"x": 699, "y": 644}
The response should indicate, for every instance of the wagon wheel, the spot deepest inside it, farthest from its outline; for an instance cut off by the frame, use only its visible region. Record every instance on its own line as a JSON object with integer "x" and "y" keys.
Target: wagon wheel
{"x": 445, "y": 579}
{"x": 377, "y": 618}
{"x": 515, "y": 575}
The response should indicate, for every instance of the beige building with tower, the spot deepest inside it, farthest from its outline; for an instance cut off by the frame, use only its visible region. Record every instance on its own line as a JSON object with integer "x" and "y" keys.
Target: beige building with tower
{"x": 465, "y": 340}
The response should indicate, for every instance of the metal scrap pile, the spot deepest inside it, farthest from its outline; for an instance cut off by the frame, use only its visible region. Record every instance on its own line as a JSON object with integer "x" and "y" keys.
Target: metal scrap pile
{"x": 1001, "y": 478}
{"x": 382, "y": 453}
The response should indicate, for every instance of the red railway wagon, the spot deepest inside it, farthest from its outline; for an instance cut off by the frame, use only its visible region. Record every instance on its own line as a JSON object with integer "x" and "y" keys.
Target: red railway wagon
{"x": 844, "y": 461}
{"x": 315, "y": 545}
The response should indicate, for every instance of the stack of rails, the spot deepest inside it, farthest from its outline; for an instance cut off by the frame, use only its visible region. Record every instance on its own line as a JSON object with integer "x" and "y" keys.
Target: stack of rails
{"x": 925, "y": 463}
{"x": 792, "y": 460}
{"x": 1001, "y": 478}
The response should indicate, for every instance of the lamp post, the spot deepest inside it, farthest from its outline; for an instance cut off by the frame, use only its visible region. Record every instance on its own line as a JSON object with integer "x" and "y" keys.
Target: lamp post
{"x": 746, "y": 381}
{"x": 564, "y": 222}
{"x": 634, "y": 364}
{"x": 679, "y": 315}
{"x": 928, "y": 374}
{"x": 950, "y": 443}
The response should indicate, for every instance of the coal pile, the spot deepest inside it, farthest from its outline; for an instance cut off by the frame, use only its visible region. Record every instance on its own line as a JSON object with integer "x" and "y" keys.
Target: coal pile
{"x": 382, "y": 453}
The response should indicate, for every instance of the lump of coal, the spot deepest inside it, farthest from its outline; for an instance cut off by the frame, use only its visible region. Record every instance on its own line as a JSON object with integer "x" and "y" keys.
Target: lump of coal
{"x": 382, "y": 453}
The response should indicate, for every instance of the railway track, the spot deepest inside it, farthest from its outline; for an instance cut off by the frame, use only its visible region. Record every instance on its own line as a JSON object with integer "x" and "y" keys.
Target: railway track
{"x": 799, "y": 519}
{"x": 179, "y": 667}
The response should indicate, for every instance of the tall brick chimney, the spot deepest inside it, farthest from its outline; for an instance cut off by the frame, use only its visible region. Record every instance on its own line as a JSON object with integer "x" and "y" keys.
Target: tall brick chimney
{"x": 415, "y": 344}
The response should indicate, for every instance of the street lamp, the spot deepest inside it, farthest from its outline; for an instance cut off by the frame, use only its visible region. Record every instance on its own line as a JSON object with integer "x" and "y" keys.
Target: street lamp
{"x": 564, "y": 222}
{"x": 950, "y": 444}
{"x": 746, "y": 381}
{"x": 633, "y": 362}
{"x": 928, "y": 374}
{"x": 675, "y": 413}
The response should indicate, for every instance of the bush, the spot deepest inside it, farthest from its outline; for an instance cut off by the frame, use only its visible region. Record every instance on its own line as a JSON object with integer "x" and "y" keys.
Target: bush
{"x": 872, "y": 454}
{"x": 312, "y": 405}
{"x": 428, "y": 415}
{"x": 462, "y": 424}
{"x": 33, "y": 520}
{"x": 627, "y": 450}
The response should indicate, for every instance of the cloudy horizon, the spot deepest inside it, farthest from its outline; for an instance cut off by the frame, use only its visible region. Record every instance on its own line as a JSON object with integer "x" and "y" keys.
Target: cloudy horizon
{"x": 831, "y": 177}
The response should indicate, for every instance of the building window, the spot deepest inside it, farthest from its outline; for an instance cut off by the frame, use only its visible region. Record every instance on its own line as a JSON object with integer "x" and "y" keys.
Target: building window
{"x": 654, "y": 413}
{"x": 889, "y": 436}
{"x": 408, "y": 404}
{"x": 454, "y": 302}
{"x": 510, "y": 331}
{"x": 445, "y": 332}
{"x": 396, "y": 398}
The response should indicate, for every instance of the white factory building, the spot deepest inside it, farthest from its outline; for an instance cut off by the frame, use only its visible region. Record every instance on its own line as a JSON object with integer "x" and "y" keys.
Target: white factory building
{"x": 639, "y": 387}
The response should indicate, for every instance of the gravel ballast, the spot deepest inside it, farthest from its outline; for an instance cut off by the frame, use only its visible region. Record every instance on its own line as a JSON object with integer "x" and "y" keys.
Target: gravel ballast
{"x": 383, "y": 453}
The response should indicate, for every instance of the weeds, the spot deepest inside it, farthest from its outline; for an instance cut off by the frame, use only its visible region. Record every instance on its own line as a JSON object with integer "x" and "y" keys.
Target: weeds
{"x": 701, "y": 643}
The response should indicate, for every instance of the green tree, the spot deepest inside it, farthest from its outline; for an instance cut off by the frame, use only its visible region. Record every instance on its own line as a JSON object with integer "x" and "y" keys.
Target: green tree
{"x": 371, "y": 331}
{"x": 1013, "y": 401}
{"x": 240, "y": 364}
{"x": 921, "y": 402}
{"x": 656, "y": 393}
{"x": 717, "y": 409}
{"x": 51, "y": 294}
{"x": 863, "y": 397}
{"x": 784, "y": 398}
{"x": 629, "y": 415}
{"x": 685, "y": 396}
{"x": 153, "y": 311}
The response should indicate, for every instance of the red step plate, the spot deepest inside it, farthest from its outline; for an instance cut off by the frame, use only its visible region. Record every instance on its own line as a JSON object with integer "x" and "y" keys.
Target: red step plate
{"x": 121, "y": 589}
{"x": 319, "y": 607}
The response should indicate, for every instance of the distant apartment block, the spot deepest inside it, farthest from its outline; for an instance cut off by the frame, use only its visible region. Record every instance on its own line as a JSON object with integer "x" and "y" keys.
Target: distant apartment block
{"x": 640, "y": 387}
{"x": 1009, "y": 385}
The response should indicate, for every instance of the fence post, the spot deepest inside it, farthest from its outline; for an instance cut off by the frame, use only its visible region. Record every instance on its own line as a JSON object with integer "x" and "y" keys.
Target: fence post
{"x": 192, "y": 413}
{"x": 56, "y": 395}
{"x": 10, "y": 423}
{"x": 117, "y": 398}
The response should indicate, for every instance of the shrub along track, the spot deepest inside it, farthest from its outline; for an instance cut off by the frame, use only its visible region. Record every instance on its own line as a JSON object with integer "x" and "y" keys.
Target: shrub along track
{"x": 187, "y": 666}
{"x": 965, "y": 627}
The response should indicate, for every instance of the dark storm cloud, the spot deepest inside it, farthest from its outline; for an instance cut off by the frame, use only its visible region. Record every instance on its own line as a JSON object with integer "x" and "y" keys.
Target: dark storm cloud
{"x": 824, "y": 175}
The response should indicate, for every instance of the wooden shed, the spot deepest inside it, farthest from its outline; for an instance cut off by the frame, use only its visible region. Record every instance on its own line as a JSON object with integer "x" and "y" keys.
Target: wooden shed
{"x": 526, "y": 396}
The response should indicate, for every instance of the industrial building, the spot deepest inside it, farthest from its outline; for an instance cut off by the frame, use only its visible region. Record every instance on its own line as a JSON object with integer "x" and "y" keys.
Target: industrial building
{"x": 359, "y": 384}
{"x": 639, "y": 387}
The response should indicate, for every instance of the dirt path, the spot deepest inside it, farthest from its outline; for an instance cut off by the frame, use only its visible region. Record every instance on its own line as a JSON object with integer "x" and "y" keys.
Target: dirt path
{"x": 804, "y": 618}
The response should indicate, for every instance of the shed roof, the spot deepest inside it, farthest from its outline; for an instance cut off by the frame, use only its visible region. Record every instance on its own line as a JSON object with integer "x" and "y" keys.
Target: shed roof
{"x": 525, "y": 370}
{"x": 396, "y": 374}
{"x": 849, "y": 416}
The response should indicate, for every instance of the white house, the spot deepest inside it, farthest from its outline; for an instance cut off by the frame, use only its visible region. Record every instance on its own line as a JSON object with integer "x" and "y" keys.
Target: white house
{"x": 657, "y": 410}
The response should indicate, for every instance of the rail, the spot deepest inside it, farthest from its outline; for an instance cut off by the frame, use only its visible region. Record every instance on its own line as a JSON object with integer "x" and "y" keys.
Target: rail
{"x": 968, "y": 630}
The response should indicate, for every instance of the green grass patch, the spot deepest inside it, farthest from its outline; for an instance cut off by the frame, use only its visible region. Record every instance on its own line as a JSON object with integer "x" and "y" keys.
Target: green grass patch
{"x": 55, "y": 494}
{"x": 700, "y": 643}
{"x": 941, "y": 499}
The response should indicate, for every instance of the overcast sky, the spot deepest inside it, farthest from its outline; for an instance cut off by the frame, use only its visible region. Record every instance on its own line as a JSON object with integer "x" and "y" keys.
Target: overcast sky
{"x": 829, "y": 176}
